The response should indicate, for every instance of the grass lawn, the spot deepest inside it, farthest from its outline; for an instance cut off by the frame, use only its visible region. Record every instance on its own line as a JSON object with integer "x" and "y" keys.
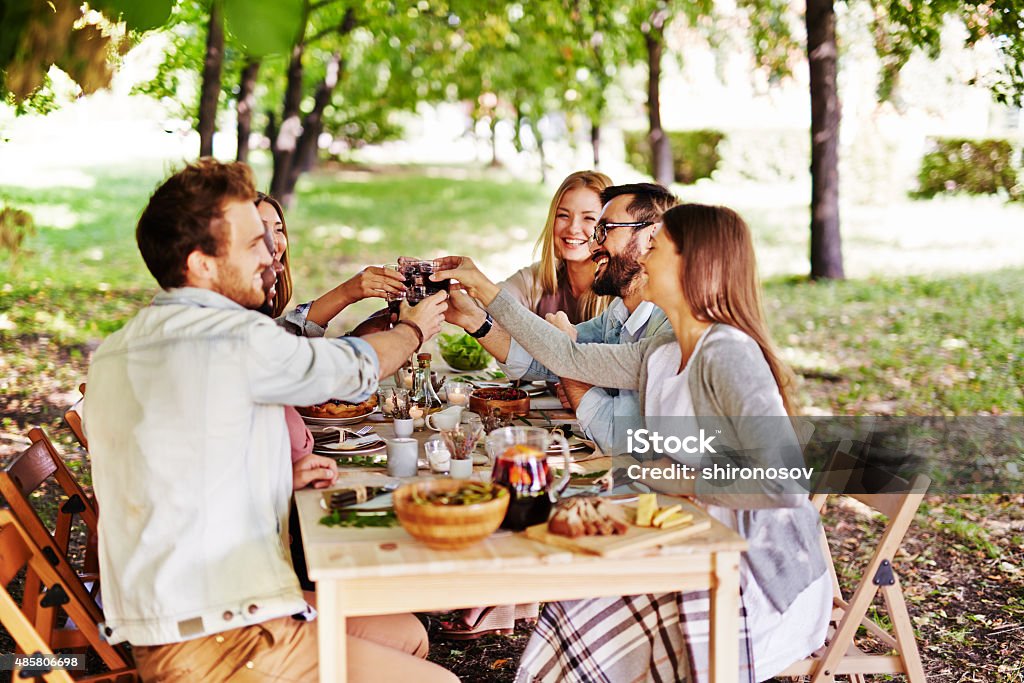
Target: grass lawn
{"x": 901, "y": 345}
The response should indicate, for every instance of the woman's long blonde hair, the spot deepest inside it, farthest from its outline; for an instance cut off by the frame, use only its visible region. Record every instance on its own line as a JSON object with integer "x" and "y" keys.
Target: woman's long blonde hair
{"x": 546, "y": 272}
{"x": 720, "y": 281}
{"x": 284, "y": 280}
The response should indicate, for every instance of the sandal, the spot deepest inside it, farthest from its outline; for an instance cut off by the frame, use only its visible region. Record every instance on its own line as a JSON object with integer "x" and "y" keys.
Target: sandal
{"x": 495, "y": 620}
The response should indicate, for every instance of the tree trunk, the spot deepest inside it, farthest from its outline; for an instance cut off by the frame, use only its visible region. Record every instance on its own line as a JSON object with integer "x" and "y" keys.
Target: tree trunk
{"x": 661, "y": 152}
{"x": 295, "y": 145}
{"x": 539, "y": 137}
{"x": 595, "y": 142}
{"x": 494, "y": 140}
{"x": 246, "y": 103}
{"x": 517, "y": 138}
{"x": 283, "y": 144}
{"x": 210, "y": 91}
{"x": 826, "y": 244}
{"x": 312, "y": 125}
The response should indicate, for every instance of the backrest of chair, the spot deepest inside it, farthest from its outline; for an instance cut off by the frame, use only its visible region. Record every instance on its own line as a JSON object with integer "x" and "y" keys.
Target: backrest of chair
{"x": 26, "y": 473}
{"x": 66, "y": 478}
{"x": 74, "y": 420}
{"x": 843, "y": 476}
{"x": 31, "y": 468}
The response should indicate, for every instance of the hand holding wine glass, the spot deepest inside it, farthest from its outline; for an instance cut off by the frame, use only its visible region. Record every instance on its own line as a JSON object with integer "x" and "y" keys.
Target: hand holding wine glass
{"x": 463, "y": 269}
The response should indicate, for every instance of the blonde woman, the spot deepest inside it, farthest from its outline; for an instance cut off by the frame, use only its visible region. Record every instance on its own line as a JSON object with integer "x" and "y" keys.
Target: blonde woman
{"x": 561, "y": 279}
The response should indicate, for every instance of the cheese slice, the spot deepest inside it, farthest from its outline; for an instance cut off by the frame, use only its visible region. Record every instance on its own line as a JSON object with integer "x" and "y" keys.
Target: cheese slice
{"x": 648, "y": 505}
{"x": 665, "y": 513}
{"x": 675, "y": 520}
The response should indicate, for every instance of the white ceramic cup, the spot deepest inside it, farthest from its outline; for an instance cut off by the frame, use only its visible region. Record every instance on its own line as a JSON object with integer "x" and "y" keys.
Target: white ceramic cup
{"x": 449, "y": 418}
{"x": 403, "y": 455}
{"x": 460, "y": 469}
{"x": 403, "y": 428}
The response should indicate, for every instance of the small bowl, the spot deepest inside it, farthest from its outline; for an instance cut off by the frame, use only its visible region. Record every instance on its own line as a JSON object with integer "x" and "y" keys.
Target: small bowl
{"x": 510, "y": 401}
{"x": 447, "y": 527}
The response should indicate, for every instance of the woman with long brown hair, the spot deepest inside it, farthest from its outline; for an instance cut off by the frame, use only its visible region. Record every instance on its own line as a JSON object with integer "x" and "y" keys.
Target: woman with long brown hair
{"x": 561, "y": 279}
{"x": 716, "y": 371}
{"x": 311, "y": 319}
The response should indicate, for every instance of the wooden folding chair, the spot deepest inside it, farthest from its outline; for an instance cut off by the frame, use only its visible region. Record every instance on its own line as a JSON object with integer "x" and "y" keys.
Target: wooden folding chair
{"x": 74, "y": 419}
{"x": 840, "y": 656}
{"x": 17, "y": 551}
{"x": 38, "y": 464}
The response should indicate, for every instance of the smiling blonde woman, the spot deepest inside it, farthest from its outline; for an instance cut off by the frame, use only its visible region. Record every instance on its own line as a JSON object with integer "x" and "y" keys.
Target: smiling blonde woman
{"x": 561, "y": 279}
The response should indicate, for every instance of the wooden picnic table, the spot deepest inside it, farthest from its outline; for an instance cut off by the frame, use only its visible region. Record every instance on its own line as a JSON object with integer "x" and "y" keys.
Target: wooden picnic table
{"x": 383, "y": 570}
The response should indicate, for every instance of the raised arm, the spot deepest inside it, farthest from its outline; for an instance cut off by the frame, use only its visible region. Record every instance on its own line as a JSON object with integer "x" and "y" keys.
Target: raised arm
{"x": 369, "y": 282}
{"x": 615, "y": 366}
{"x": 609, "y": 365}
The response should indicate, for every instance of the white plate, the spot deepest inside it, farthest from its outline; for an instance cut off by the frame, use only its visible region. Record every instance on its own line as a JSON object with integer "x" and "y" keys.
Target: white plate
{"x": 336, "y": 421}
{"x": 533, "y": 389}
{"x": 335, "y": 453}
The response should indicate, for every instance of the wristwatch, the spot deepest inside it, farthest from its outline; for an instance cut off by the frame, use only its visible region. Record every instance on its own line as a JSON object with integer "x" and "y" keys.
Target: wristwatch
{"x": 483, "y": 329}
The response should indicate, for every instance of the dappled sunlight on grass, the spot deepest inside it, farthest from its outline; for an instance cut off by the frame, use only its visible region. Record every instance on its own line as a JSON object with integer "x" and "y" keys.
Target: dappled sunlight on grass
{"x": 14, "y": 176}
{"x": 890, "y": 343}
{"x": 55, "y": 216}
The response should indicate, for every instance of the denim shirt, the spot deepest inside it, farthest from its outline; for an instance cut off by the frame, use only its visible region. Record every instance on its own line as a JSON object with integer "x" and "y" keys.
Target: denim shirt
{"x": 602, "y": 413}
{"x": 191, "y": 464}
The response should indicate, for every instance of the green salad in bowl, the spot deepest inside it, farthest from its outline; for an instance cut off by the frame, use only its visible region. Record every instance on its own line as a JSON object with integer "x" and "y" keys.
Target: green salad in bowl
{"x": 462, "y": 352}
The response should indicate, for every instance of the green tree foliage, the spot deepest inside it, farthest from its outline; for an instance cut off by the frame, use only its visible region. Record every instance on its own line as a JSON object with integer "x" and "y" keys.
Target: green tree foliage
{"x": 37, "y": 35}
{"x": 958, "y": 165}
{"x": 901, "y": 26}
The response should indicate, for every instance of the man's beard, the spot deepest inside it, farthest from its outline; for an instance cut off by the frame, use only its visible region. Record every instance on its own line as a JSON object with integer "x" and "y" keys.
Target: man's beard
{"x": 619, "y": 273}
{"x": 232, "y": 284}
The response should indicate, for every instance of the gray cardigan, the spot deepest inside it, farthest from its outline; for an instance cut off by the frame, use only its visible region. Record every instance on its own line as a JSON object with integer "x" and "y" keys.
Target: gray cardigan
{"x": 732, "y": 389}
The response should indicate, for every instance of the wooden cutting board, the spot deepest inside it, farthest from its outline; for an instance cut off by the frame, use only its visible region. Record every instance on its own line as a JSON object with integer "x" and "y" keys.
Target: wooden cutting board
{"x": 636, "y": 539}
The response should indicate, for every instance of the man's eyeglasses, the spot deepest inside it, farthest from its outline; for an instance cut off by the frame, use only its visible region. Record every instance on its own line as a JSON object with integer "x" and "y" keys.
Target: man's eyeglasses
{"x": 602, "y": 228}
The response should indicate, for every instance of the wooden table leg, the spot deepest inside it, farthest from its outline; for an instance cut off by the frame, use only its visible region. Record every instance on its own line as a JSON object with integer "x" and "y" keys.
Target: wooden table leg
{"x": 725, "y": 609}
{"x": 331, "y": 630}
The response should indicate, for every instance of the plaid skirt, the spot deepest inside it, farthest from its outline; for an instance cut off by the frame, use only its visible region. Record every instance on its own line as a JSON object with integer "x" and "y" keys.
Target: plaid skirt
{"x": 660, "y": 638}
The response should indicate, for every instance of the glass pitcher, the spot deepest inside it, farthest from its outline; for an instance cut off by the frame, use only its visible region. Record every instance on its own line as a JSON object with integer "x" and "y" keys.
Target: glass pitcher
{"x": 520, "y": 457}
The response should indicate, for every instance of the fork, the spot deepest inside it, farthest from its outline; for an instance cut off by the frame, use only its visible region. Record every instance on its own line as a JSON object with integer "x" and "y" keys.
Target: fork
{"x": 342, "y": 434}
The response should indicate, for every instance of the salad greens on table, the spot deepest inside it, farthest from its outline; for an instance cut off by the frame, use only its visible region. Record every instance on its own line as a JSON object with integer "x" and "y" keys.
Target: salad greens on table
{"x": 353, "y": 518}
{"x": 462, "y": 352}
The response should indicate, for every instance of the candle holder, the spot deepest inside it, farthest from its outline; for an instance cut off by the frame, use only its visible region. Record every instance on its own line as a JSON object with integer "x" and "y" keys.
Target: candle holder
{"x": 458, "y": 393}
{"x": 394, "y": 402}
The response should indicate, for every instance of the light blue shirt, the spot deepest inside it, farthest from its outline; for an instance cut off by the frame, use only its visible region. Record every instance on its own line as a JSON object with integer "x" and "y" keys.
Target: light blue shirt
{"x": 601, "y": 412}
{"x": 189, "y": 449}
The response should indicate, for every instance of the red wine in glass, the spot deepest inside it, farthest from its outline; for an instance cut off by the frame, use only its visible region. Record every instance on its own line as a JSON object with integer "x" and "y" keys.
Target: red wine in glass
{"x": 418, "y": 284}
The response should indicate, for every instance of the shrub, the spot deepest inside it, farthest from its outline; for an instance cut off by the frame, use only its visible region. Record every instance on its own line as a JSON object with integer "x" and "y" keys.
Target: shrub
{"x": 15, "y": 226}
{"x": 694, "y": 153}
{"x": 961, "y": 165}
